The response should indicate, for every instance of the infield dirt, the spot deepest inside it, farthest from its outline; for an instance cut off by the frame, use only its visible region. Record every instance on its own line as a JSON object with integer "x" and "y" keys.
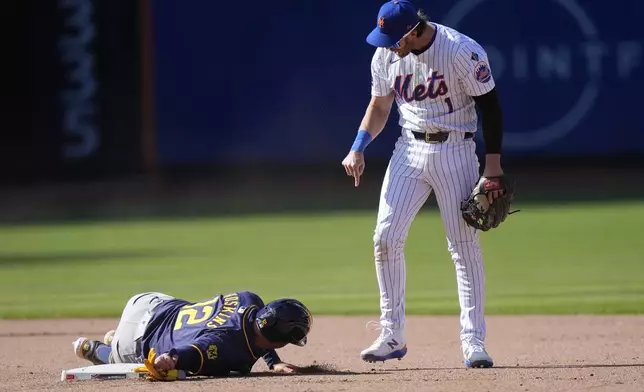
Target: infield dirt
{"x": 531, "y": 353}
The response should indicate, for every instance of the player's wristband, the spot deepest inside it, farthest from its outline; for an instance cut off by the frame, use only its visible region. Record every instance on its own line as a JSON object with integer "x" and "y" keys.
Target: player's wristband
{"x": 271, "y": 358}
{"x": 190, "y": 358}
{"x": 363, "y": 138}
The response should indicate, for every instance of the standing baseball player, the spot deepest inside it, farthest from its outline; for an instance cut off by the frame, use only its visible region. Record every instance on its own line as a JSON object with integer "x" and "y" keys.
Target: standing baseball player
{"x": 223, "y": 335}
{"x": 437, "y": 76}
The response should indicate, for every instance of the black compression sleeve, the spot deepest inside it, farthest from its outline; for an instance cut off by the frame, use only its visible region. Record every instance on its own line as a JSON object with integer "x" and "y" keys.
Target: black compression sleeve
{"x": 492, "y": 122}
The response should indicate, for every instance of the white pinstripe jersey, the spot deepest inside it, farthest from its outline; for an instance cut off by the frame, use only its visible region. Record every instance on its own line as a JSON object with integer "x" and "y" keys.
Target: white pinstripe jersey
{"x": 434, "y": 89}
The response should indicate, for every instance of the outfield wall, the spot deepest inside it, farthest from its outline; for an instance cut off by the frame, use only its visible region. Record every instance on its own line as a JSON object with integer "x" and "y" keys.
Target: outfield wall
{"x": 121, "y": 86}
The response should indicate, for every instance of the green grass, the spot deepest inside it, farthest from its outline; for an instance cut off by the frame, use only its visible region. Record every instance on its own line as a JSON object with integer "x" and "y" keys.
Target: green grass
{"x": 580, "y": 258}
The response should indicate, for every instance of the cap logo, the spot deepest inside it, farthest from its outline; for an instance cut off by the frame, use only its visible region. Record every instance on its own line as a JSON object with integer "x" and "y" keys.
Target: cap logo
{"x": 381, "y": 22}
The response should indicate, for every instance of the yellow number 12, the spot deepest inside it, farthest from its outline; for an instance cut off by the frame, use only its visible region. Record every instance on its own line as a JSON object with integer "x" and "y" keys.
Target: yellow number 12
{"x": 191, "y": 312}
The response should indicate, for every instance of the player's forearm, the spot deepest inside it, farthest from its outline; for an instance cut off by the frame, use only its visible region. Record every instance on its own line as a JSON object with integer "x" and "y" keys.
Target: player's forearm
{"x": 374, "y": 120}
{"x": 492, "y": 165}
{"x": 271, "y": 358}
{"x": 492, "y": 124}
{"x": 189, "y": 358}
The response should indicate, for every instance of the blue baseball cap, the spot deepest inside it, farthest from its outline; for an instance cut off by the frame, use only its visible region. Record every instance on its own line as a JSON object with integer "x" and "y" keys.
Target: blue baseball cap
{"x": 395, "y": 19}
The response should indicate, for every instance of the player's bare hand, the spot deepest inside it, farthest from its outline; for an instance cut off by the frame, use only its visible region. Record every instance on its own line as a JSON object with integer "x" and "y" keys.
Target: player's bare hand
{"x": 165, "y": 362}
{"x": 284, "y": 367}
{"x": 354, "y": 165}
{"x": 493, "y": 169}
{"x": 493, "y": 195}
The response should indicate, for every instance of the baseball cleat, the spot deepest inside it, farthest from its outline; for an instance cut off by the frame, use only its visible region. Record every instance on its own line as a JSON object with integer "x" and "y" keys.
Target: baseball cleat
{"x": 373, "y": 358}
{"x": 86, "y": 349}
{"x": 389, "y": 345}
{"x": 477, "y": 357}
{"x": 107, "y": 339}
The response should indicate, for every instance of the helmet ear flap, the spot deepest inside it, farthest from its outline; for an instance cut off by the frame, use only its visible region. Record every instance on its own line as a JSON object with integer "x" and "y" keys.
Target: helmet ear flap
{"x": 266, "y": 323}
{"x": 267, "y": 319}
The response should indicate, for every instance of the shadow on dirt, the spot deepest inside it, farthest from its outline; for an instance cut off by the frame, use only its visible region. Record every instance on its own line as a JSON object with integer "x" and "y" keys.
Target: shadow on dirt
{"x": 314, "y": 370}
{"x": 585, "y": 366}
{"x": 311, "y": 370}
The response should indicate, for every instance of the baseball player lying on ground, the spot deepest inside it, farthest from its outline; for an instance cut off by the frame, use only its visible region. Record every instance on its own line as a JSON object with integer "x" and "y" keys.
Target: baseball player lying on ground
{"x": 226, "y": 334}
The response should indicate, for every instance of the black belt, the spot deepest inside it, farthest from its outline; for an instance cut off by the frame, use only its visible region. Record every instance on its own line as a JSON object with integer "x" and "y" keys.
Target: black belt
{"x": 438, "y": 137}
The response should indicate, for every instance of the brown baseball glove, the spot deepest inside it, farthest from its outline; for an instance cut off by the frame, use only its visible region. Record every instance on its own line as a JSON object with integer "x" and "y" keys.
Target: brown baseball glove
{"x": 479, "y": 213}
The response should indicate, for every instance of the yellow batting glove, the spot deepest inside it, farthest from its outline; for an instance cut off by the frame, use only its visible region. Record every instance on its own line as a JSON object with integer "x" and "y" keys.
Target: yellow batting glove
{"x": 154, "y": 374}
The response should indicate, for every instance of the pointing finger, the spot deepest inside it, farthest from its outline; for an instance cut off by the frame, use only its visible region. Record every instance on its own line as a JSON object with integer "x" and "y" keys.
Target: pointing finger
{"x": 351, "y": 171}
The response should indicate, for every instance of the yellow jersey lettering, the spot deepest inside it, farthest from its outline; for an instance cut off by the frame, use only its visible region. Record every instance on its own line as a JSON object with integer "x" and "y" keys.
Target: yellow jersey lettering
{"x": 216, "y": 322}
{"x": 211, "y": 324}
{"x": 231, "y": 301}
{"x": 228, "y": 309}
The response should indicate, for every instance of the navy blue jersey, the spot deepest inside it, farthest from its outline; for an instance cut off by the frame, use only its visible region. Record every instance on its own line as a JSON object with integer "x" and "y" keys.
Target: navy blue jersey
{"x": 211, "y": 338}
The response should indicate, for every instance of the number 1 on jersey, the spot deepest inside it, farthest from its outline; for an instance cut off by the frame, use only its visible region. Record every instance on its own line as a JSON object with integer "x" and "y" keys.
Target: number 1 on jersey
{"x": 448, "y": 100}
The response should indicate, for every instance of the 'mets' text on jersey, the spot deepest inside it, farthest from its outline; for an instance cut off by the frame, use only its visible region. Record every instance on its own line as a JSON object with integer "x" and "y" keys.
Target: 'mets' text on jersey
{"x": 216, "y": 336}
{"x": 433, "y": 89}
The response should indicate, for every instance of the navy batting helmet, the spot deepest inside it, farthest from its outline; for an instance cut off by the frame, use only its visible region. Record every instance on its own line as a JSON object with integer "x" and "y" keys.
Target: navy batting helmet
{"x": 285, "y": 321}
